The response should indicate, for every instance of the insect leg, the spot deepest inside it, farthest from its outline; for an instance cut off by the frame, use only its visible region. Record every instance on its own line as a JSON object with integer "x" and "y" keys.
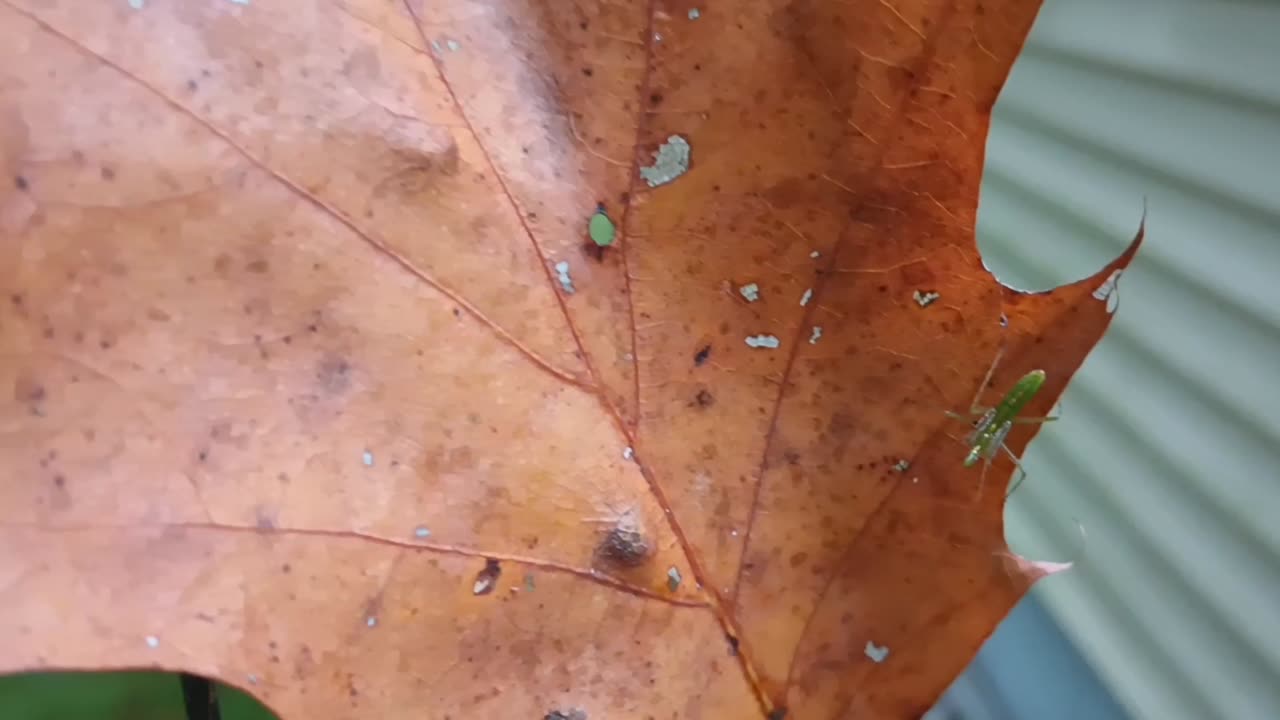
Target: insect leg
{"x": 1022, "y": 472}
{"x": 1044, "y": 419}
{"x": 1035, "y": 420}
{"x": 979, "y": 425}
{"x": 973, "y": 416}
{"x": 982, "y": 478}
{"x": 974, "y": 407}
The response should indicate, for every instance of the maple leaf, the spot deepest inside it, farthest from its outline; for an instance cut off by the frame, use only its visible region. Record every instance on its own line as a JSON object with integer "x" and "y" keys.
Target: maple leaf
{"x": 320, "y": 385}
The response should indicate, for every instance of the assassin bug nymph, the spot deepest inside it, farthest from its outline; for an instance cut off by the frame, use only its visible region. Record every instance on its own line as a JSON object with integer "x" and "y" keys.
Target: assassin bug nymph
{"x": 991, "y": 425}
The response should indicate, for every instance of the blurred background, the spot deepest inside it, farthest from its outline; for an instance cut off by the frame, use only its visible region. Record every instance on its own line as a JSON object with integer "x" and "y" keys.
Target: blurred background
{"x": 1169, "y": 448}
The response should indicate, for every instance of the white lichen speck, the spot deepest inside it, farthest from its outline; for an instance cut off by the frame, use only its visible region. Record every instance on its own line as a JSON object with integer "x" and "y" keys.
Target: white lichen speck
{"x": 1107, "y": 291}
{"x": 562, "y": 271}
{"x": 877, "y": 653}
{"x": 925, "y": 299}
{"x": 763, "y": 341}
{"x": 750, "y": 291}
{"x": 673, "y": 578}
{"x": 482, "y": 585}
{"x": 670, "y": 162}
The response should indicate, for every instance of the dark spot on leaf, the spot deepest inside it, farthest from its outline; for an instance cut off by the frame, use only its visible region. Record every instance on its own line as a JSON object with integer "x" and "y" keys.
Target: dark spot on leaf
{"x": 16, "y": 299}
{"x": 593, "y": 251}
{"x": 258, "y": 266}
{"x": 487, "y": 578}
{"x": 29, "y": 391}
{"x": 704, "y": 398}
{"x": 623, "y": 545}
{"x": 733, "y": 644}
{"x": 778, "y": 714}
{"x": 334, "y": 375}
{"x": 107, "y": 173}
{"x": 457, "y": 312}
{"x": 192, "y": 85}
{"x": 20, "y": 182}
{"x": 286, "y": 568}
{"x": 701, "y": 356}
{"x": 588, "y": 71}
{"x": 265, "y": 521}
{"x": 204, "y": 455}
{"x": 60, "y": 480}
{"x": 655, "y": 98}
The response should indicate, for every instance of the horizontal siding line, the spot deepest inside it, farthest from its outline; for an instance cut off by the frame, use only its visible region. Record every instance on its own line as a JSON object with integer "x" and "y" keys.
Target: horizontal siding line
{"x": 1210, "y": 88}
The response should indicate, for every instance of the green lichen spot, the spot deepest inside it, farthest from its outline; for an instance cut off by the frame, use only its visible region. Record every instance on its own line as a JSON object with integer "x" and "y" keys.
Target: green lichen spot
{"x": 601, "y": 229}
{"x": 673, "y": 578}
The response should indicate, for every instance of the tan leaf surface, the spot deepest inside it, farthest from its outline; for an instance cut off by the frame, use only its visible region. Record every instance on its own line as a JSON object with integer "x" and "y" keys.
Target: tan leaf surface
{"x": 300, "y": 400}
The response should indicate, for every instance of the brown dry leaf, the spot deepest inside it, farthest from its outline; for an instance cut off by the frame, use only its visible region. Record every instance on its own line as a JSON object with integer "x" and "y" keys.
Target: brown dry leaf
{"x": 297, "y": 399}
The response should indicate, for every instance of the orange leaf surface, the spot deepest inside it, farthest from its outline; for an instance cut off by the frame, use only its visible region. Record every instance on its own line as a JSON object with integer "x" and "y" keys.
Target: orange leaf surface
{"x": 318, "y": 386}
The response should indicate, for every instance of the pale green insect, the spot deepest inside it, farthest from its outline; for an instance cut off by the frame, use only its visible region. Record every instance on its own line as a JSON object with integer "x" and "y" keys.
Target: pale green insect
{"x": 991, "y": 425}
{"x": 601, "y": 228}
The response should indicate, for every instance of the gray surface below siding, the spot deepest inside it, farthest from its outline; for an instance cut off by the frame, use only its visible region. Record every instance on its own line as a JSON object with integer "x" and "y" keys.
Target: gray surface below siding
{"x": 1169, "y": 450}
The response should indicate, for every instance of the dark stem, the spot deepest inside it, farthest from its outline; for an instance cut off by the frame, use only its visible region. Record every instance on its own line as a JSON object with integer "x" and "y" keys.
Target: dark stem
{"x": 200, "y": 698}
